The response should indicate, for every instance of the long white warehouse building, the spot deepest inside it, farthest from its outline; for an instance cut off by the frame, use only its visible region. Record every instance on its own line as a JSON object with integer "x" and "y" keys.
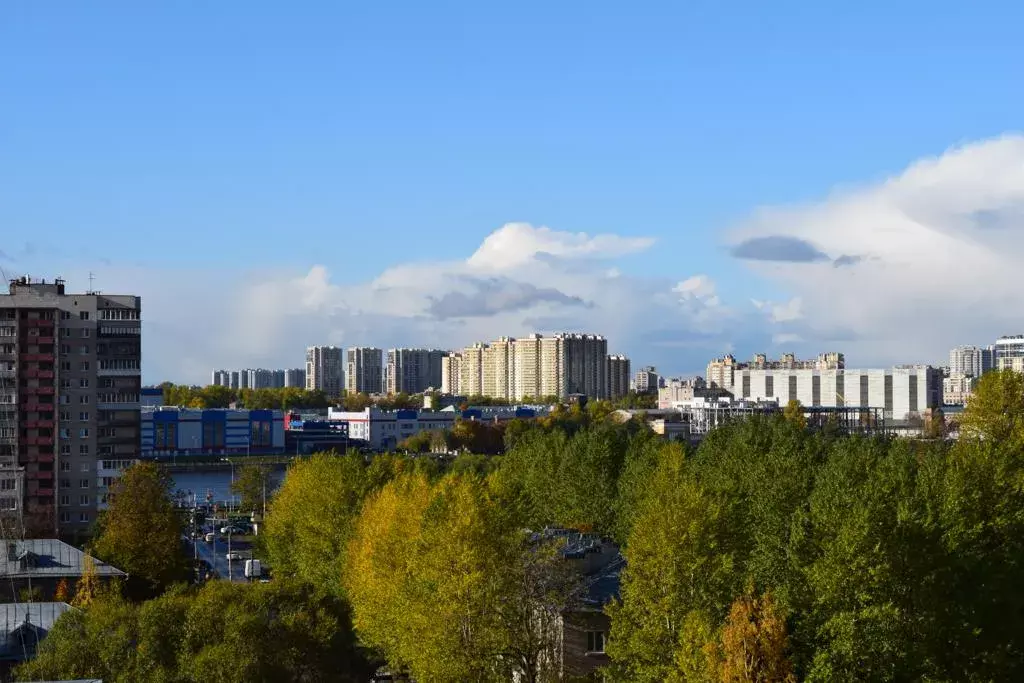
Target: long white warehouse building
{"x": 902, "y": 392}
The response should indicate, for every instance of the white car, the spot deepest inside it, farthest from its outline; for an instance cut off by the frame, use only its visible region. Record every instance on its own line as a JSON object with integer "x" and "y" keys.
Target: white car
{"x": 235, "y": 555}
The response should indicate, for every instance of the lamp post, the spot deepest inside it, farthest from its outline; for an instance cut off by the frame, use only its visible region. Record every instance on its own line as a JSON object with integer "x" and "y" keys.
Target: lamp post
{"x": 231, "y": 576}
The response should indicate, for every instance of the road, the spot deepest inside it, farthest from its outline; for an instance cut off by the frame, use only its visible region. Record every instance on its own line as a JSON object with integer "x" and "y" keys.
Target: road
{"x": 215, "y": 554}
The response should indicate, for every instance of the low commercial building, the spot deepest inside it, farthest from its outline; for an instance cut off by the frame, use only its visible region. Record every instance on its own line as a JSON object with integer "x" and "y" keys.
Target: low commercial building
{"x": 23, "y": 626}
{"x": 172, "y": 431}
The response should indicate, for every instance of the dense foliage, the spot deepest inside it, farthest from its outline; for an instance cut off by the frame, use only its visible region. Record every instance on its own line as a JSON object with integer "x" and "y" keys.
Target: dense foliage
{"x": 141, "y": 532}
{"x": 771, "y": 552}
{"x": 236, "y": 633}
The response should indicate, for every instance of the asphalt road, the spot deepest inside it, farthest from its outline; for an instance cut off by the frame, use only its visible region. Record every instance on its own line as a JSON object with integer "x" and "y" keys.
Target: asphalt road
{"x": 215, "y": 554}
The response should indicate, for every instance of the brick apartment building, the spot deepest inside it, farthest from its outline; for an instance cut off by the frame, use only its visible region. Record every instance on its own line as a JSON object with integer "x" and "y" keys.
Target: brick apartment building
{"x": 70, "y": 375}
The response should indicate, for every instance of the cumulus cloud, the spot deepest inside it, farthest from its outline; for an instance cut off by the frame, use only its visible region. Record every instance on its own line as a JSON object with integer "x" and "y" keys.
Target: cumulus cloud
{"x": 521, "y": 279}
{"x": 946, "y": 242}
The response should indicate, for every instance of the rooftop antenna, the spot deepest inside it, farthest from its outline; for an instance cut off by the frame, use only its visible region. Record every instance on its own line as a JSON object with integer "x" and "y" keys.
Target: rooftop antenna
{"x": 91, "y": 278}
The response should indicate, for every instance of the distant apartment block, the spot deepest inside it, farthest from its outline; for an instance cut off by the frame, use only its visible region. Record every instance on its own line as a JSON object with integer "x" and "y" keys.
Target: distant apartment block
{"x": 70, "y": 379}
{"x": 679, "y": 390}
{"x": 254, "y": 378}
{"x": 530, "y": 367}
{"x": 413, "y": 371}
{"x": 618, "y": 376}
{"x": 295, "y": 377}
{"x": 957, "y": 388}
{"x": 364, "y": 370}
{"x": 647, "y": 380}
{"x": 324, "y": 369}
{"x": 721, "y": 372}
{"x": 1009, "y": 353}
{"x": 971, "y": 361}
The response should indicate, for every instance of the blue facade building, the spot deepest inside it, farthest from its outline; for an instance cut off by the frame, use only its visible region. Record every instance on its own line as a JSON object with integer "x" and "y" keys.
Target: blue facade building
{"x": 212, "y": 431}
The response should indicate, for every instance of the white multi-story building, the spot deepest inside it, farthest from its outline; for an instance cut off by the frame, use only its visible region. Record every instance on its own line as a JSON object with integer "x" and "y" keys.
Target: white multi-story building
{"x": 364, "y": 370}
{"x": 721, "y": 372}
{"x": 901, "y": 392}
{"x": 324, "y": 369}
{"x": 618, "y": 376}
{"x": 451, "y": 374}
{"x": 413, "y": 371}
{"x": 970, "y": 361}
{"x": 1009, "y": 353}
{"x": 647, "y": 380}
{"x": 385, "y": 429}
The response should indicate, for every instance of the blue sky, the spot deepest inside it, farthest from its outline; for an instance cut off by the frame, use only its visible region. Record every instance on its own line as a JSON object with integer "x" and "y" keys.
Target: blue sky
{"x": 236, "y": 138}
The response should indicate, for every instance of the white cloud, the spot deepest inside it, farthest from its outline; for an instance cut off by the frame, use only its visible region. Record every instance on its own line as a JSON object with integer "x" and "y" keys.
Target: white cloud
{"x": 521, "y": 279}
{"x": 924, "y": 260}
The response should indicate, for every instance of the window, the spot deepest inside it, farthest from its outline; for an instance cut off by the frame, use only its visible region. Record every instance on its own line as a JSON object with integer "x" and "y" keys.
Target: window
{"x": 65, "y": 415}
{"x": 7, "y": 484}
{"x": 83, "y": 433}
{"x": 83, "y": 449}
{"x": 65, "y": 449}
{"x": 65, "y": 332}
{"x": 65, "y": 466}
{"x": 84, "y": 399}
{"x": 83, "y": 483}
{"x": 65, "y": 483}
{"x": 65, "y": 517}
{"x": 65, "y": 366}
{"x": 85, "y": 467}
{"x": 83, "y": 500}
{"x": 65, "y": 433}
{"x": 83, "y": 315}
{"x": 595, "y": 641}
{"x": 86, "y": 334}
{"x": 8, "y": 503}
{"x": 65, "y": 500}
{"x": 65, "y": 399}
{"x": 84, "y": 367}
{"x": 83, "y": 416}
{"x": 65, "y": 315}
{"x": 83, "y": 517}
{"x": 65, "y": 349}
{"x": 119, "y": 314}
{"x": 83, "y": 350}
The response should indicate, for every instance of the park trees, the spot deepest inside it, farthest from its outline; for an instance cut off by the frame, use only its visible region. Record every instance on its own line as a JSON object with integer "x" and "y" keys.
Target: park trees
{"x": 310, "y": 519}
{"x": 141, "y": 532}
{"x": 251, "y": 485}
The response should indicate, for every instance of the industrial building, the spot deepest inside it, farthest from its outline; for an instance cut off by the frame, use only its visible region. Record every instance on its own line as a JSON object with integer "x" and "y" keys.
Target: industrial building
{"x": 182, "y": 432}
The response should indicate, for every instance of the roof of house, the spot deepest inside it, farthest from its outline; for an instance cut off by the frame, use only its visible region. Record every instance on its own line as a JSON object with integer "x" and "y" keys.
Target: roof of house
{"x": 33, "y": 619}
{"x": 46, "y": 558}
{"x": 604, "y": 586}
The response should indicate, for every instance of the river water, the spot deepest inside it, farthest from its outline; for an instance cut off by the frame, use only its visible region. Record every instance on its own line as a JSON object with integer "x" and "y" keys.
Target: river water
{"x": 217, "y": 483}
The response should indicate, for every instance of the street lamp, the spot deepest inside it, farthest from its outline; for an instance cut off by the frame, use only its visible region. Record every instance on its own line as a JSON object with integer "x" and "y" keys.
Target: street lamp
{"x": 231, "y": 575}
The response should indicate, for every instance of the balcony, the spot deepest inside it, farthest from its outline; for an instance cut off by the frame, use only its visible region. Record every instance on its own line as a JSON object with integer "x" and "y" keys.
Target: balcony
{"x": 37, "y": 391}
{"x": 37, "y": 441}
{"x": 37, "y": 322}
{"x": 106, "y": 372}
{"x": 44, "y": 493}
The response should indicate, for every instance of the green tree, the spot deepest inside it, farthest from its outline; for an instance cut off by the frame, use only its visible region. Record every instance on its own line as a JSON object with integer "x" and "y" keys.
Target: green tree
{"x": 310, "y": 519}
{"x": 995, "y": 411}
{"x": 141, "y": 532}
{"x": 252, "y": 485}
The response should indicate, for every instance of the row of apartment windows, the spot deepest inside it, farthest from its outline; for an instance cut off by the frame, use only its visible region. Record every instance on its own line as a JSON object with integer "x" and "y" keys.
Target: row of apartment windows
{"x": 116, "y": 464}
{"x": 119, "y": 314}
{"x": 8, "y": 503}
{"x": 8, "y": 331}
{"x": 119, "y": 364}
{"x": 83, "y": 517}
{"x": 67, "y": 332}
{"x": 65, "y": 466}
{"x": 65, "y": 433}
{"x": 82, "y": 483}
{"x": 6, "y": 348}
{"x": 120, "y": 331}
{"x": 82, "y": 500}
{"x": 8, "y": 484}
{"x": 117, "y": 397}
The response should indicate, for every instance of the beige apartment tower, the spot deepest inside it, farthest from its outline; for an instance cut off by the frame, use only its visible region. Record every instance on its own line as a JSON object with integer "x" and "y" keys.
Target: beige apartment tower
{"x": 364, "y": 370}
{"x": 70, "y": 380}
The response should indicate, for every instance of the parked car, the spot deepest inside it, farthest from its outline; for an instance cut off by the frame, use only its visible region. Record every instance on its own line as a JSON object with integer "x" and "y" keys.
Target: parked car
{"x": 210, "y": 537}
{"x": 237, "y": 555}
{"x": 233, "y": 530}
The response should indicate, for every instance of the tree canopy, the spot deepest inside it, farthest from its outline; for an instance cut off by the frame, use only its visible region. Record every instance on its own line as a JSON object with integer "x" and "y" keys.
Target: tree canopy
{"x": 141, "y": 532}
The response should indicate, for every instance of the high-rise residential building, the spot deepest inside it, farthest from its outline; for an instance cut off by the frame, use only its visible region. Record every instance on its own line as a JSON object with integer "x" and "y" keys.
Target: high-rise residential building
{"x": 531, "y": 367}
{"x": 295, "y": 377}
{"x": 970, "y": 361}
{"x": 1009, "y": 353}
{"x": 618, "y": 376}
{"x": 413, "y": 371}
{"x": 721, "y": 372}
{"x": 220, "y": 378}
{"x": 647, "y": 380}
{"x": 70, "y": 380}
{"x": 451, "y": 374}
{"x": 324, "y": 369}
{"x": 364, "y": 370}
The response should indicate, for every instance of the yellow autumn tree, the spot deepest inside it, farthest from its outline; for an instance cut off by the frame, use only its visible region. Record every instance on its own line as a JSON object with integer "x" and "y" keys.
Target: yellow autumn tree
{"x": 62, "y": 593}
{"x": 794, "y": 413}
{"x": 89, "y": 586}
{"x": 754, "y": 643}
